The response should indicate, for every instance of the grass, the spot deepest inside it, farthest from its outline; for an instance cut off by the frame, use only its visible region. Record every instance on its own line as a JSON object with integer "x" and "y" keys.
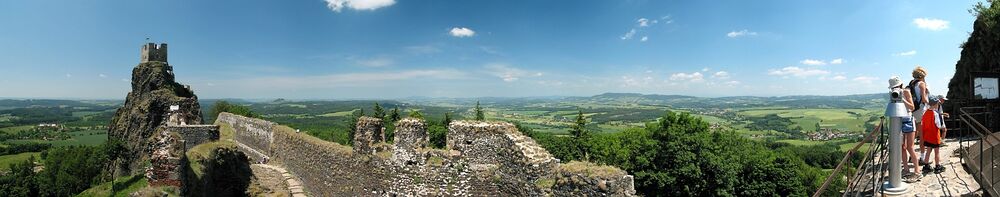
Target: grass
{"x": 7, "y": 160}
{"x": 591, "y": 169}
{"x": 125, "y": 186}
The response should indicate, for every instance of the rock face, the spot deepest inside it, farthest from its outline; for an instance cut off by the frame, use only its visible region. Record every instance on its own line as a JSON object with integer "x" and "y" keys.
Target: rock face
{"x": 980, "y": 53}
{"x": 980, "y": 57}
{"x": 146, "y": 111}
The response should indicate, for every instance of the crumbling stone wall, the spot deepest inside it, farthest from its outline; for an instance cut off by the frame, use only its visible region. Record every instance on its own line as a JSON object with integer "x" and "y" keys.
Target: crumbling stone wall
{"x": 369, "y": 133}
{"x": 166, "y": 161}
{"x": 483, "y": 159}
{"x": 193, "y": 135}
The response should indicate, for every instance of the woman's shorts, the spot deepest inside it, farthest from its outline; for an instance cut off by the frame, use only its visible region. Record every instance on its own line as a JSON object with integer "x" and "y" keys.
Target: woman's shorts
{"x": 919, "y": 114}
{"x": 908, "y": 125}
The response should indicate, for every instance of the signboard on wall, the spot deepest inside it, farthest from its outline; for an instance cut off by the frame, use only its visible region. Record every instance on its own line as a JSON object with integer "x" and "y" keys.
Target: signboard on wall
{"x": 986, "y": 88}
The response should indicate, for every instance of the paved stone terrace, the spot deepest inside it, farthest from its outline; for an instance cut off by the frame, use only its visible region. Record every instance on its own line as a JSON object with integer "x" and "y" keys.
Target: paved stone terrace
{"x": 955, "y": 181}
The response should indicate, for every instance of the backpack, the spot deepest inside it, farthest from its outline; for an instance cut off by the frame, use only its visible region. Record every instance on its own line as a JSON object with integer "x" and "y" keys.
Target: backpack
{"x": 915, "y": 95}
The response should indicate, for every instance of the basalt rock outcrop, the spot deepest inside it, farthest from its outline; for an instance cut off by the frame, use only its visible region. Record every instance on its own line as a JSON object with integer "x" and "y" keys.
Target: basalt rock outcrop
{"x": 980, "y": 57}
{"x": 155, "y": 98}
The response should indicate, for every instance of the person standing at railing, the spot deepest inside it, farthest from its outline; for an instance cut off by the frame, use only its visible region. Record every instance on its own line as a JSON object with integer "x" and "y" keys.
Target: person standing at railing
{"x": 909, "y": 155}
{"x": 932, "y": 135}
{"x": 919, "y": 92}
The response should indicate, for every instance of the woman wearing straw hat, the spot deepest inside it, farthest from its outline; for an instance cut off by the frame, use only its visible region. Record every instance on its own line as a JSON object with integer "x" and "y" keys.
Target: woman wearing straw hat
{"x": 910, "y": 174}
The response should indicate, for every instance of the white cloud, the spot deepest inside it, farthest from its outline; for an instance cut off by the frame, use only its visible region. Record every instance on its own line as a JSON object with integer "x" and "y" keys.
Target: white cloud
{"x": 797, "y": 72}
{"x": 693, "y": 77}
{"x": 865, "y": 79}
{"x": 462, "y": 32}
{"x": 68, "y": 75}
{"x": 644, "y": 38}
{"x": 813, "y": 62}
{"x": 932, "y": 24}
{"x": 721, "y": 75}
{"x": 102, "y": 75}
{"x": 643, "y": 22}
{"x": 376, "y": 62}
{"x": 629, "y": 34}
{"x": 838, "y": 77}
{"x": 337, "y": 5}
{"x": 705, "y": 69}
{"x": 837, "y": 61}
{"x": 907, "y": 53}
{"x": 508, "y": 73}
{"x": 732, "y": 83}
{"x": 741, "y": 33}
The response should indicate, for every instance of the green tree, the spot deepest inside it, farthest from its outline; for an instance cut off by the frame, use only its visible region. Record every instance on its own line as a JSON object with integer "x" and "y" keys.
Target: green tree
{"x": 224, "y": 106}
{"x": 114, "y": 149}
{"x": 447, "y": 119}
{"x": 580, "y": 134}
{"x": 416, "y": 114}
{"x": 394, "y": 116}
{"x": 352, "y": 125}
{"x": 479, "y": 112}
{"x": 379, "y": 112}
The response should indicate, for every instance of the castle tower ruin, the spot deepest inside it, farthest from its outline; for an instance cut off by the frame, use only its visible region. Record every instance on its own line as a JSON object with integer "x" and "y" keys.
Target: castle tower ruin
{"x": 152, "y": 52}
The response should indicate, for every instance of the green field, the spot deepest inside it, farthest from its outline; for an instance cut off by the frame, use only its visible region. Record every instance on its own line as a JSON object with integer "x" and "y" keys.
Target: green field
{"x": 87, "y": 138}
{"x": 6, "y": 160}
{"x": 843, "y": 119}
{"x": 16, "y": 129}
{"x": 338, "y": 114}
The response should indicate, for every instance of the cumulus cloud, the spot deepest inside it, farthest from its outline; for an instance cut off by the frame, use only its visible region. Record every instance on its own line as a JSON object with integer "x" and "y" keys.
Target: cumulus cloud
{"x": 837, "y": 61}
{"x": 462, "y": 32}
{"x": 906, "y": 53}
{"x": 797, "y": 72}
{"x": 337, "y": 5}
{"x": 932, "y": 24}
{"x": 732, "y": 83}
{"x": 721, "y": 75}
{"x": 813, "y": 62}
{"x": 741, "y": 33}
{"x": 693, "y": 77}
{"x": 839, "y": 77}
{"x": 102, "y": 75}
{"x": 644, "y": 38}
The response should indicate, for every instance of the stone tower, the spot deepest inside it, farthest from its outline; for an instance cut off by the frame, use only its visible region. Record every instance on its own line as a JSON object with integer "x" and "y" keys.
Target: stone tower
{"x": 151, "y": 52}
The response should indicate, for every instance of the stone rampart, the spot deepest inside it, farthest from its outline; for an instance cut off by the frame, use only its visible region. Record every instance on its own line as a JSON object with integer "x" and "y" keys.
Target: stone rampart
{"x": 483, "y": 159}
{"x": 193, "y": 135}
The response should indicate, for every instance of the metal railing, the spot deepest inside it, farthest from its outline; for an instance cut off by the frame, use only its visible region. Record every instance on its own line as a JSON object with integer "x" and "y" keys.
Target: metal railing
{"x": 976, "y": 161}
{"x": 847, "y": 156}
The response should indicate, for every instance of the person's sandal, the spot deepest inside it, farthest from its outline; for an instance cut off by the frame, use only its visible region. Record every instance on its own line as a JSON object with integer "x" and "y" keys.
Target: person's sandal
{"x": 926, "y": 169}
{"x": 939, "y": 169}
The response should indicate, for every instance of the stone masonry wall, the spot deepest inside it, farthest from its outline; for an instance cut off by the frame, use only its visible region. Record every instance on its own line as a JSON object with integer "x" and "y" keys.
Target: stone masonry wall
{"x": 253, "y": 136}
{"x": 483, "y": 159}
{"x": 193, "y": 135}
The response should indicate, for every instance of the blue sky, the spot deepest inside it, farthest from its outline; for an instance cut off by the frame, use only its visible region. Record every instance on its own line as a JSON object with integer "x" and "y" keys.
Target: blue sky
{"x": 341, "y": 49}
